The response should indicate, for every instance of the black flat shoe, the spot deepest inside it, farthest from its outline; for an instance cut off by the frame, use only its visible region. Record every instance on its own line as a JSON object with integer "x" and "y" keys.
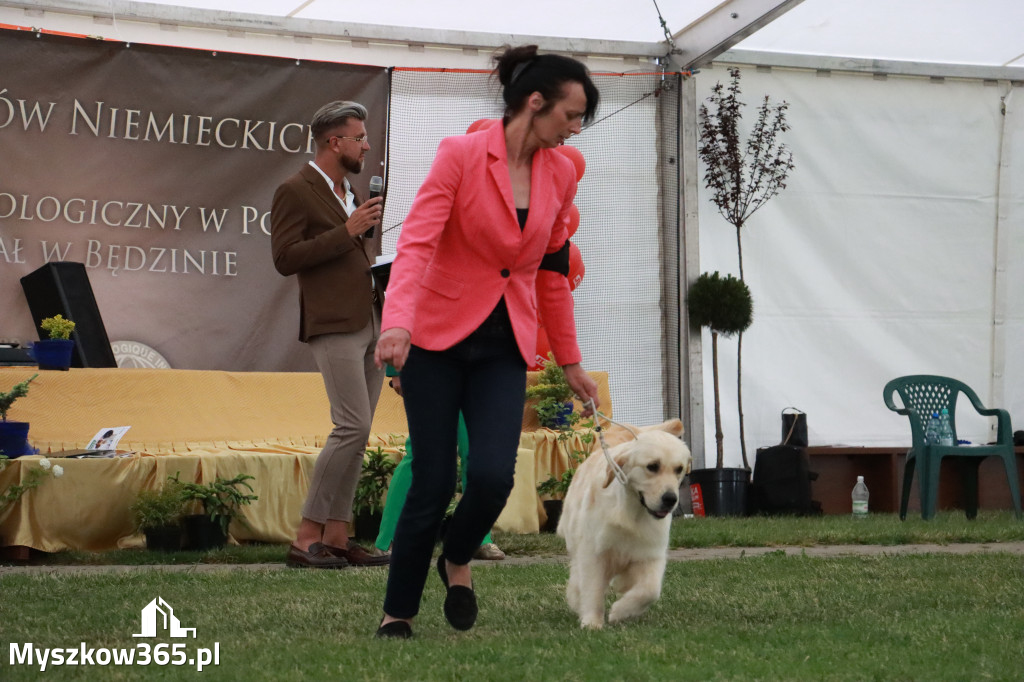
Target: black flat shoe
{"x": 460, "y": 607}
{"x": 396, "y": 629}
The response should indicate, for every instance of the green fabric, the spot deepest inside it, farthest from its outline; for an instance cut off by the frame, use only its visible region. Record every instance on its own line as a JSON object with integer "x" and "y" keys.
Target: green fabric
{"x": 398, "y": 489}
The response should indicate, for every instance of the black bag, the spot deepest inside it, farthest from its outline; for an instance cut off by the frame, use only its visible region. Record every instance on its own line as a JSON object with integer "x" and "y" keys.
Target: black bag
{"x": 794, "y": 428}
{"x": 782, "y": 482}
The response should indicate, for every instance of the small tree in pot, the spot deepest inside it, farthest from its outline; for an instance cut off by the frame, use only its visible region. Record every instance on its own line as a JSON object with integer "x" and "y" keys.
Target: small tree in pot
{"x": 723, "y": 305}
{"x": 157, "y": 514}
{"x": 54, "y": 352}
{"x": 222, "y": 502}
{"x": 554, "y": 396}
{"x": 742, "y": 175}
{"x": 14, "y": 435}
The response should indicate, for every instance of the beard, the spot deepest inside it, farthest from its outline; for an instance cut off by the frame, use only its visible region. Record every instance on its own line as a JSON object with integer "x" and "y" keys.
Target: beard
{"x": 351, "y": 164}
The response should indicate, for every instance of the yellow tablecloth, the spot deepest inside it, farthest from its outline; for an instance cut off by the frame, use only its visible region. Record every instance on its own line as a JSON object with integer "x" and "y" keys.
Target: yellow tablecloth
{"x": 203, "y": 424}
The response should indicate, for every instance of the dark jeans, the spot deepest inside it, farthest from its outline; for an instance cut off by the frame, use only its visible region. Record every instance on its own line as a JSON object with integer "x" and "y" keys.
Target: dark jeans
{"x": 484, "y": 376}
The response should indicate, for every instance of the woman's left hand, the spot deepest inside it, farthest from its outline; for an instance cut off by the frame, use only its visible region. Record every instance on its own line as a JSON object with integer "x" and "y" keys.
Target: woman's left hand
{"x": 393, "y": 348}
{"x": 583, "y": 385}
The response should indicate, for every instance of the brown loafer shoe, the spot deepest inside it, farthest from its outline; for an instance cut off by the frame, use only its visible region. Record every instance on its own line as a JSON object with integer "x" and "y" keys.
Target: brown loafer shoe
{"x": 318, "y": 556}
{"x": 357, "y": 556}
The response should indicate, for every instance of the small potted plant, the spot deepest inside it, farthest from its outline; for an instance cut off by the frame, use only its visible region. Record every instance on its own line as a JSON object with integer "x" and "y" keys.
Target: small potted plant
{"x": 14, "y": 435}
{"x": 158, "y": 513}
{"x": 55, "y": 351}
{"x": 554, "y": 487}
{"x": 368, "y": 504}
{"x": 222, "y": 502}
{"x": 554, "y": 396}
{"x": 724, "y": 305}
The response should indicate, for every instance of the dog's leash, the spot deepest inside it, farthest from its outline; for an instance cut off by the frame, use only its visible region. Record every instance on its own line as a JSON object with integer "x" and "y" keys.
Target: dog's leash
{"x": 620, "y": 475}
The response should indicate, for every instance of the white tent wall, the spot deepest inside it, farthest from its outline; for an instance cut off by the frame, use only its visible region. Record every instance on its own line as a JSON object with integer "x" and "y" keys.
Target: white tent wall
{"x": 878, "y": 259}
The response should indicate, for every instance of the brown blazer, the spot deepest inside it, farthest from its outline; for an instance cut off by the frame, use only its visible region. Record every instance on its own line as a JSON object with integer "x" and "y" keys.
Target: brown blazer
{"x": 308, "y": 239}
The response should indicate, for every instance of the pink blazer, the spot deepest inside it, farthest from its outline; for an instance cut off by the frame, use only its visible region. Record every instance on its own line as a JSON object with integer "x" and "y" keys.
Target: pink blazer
{"x": 461, "y": 249}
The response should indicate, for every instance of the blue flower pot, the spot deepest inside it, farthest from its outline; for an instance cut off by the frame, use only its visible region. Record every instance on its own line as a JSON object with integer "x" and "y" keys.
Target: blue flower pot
{"x": 52, "y": 353}
{"x": 562, "y": 420}
{"x": 14, "y": 439}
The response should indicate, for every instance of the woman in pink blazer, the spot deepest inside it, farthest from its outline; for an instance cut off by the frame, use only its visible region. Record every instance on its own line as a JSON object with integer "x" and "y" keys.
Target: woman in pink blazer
{"x": 483, "y": 250}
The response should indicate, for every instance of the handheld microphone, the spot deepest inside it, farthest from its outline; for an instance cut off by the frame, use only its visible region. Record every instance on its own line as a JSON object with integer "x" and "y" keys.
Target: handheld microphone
{"x": 376, "y": 187}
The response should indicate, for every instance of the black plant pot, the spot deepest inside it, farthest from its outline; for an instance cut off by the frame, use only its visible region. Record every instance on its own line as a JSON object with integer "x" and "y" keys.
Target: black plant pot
{"x": 553, "y": 509}
{"x": 368, "y": 525}
{"x": 163, "y": 539}
{"x": 719, "y": 492}
{"x": 203, "y": 533}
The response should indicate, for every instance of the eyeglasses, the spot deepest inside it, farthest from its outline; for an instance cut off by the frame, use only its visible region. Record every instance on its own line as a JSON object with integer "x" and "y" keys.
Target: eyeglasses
{"x": 357, "y": 140}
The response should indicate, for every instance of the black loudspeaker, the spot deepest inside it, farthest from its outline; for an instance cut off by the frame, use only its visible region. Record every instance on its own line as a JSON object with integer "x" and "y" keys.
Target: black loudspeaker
{"x": 63, "y": 288}
{"x": 782, "y": 482}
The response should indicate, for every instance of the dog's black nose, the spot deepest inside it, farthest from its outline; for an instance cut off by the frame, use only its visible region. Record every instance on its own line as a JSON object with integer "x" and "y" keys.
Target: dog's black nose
{"x": 669, "y": 500}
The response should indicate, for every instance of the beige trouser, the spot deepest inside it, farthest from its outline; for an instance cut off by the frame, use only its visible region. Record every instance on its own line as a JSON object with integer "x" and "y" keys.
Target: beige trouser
{"x": 353, "y": 386}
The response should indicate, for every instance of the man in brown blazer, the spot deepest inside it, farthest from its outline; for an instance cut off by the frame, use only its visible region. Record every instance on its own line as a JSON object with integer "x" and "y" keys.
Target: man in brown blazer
{"x": 317, "y": 227}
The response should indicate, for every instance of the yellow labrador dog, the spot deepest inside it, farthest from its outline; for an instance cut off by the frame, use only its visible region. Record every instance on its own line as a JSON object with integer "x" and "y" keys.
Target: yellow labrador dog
{"x": 617, "y": 534}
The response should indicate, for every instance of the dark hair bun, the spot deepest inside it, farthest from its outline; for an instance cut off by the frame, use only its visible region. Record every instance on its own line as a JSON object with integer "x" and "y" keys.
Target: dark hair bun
{"x": 507, "y": 61}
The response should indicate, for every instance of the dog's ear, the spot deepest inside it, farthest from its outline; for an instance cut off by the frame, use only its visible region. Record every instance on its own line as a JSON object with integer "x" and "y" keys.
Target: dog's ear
{"x": 673, "y": 426}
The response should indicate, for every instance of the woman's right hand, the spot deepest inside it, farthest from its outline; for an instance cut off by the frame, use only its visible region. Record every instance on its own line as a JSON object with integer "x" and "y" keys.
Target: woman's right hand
{"x": 392, "y": 348}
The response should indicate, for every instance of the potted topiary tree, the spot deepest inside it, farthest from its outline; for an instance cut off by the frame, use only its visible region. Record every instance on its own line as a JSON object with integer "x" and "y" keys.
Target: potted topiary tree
{"x": 368, "y": 503}
{"x": 55, "y": 351}
{"x": 222, "y": 502}
{"x": 14, "y": 435}
{"x": 742, "y": 175}
{"x": 158, "y": 513}
{"x": 724, "y": 305}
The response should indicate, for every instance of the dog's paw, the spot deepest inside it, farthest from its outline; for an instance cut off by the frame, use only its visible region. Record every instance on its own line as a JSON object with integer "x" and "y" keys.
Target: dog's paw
{"x": 628, "y": 609}
{"x": 591, "y": 624}
{"x": 614, "y": 618}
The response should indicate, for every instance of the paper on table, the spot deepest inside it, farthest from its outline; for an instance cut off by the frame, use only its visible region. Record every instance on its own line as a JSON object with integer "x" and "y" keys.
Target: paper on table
{"x": 107, "y": 438}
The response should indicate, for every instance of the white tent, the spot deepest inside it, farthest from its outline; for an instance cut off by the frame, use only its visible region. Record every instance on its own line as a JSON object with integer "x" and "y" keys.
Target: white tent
{"x": 896, "y": 248}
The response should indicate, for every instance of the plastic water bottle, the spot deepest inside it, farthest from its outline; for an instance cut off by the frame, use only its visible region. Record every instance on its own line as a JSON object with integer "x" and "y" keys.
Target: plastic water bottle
{"x": 931, "y": 430}
{"x": 860, "y": 499}
{"x": 945, "y": 429}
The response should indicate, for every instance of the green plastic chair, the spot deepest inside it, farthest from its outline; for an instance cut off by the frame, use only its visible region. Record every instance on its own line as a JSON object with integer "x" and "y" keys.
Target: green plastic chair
{"x": 923, "y": 394}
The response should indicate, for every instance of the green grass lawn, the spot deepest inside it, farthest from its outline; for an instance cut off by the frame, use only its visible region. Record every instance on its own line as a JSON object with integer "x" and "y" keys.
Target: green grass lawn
{"x": 877, "y": 529}
{"x": 772, "y": 617}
